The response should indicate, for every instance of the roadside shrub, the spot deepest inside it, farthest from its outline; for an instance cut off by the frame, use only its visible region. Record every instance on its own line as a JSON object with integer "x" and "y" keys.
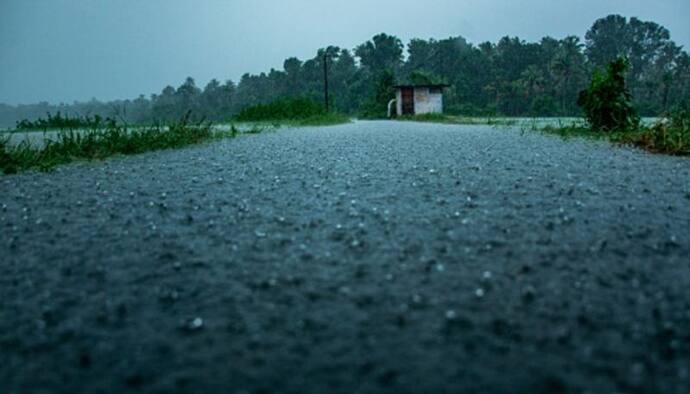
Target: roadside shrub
{"x": 671, "y": 135}
{"x": 8, "y": 163}
{"x": 607, "y": 103}
{"x": 292, "y": 108}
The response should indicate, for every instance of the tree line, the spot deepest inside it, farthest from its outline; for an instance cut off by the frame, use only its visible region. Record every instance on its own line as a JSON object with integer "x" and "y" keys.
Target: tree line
{"x": 511, "y": 77}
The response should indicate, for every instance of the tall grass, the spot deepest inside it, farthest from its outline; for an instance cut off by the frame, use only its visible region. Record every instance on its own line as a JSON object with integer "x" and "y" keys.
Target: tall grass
{"x": 59, "y": 121}
{"x": 671, "y": 135}
{"x": 98, "y": 143}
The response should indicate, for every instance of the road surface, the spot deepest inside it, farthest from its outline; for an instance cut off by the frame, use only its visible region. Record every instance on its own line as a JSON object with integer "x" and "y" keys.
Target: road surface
{"x": 364, "y": 258}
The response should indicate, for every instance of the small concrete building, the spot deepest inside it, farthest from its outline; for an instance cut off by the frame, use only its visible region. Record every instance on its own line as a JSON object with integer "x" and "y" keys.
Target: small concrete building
{"x": 418, "y": 100}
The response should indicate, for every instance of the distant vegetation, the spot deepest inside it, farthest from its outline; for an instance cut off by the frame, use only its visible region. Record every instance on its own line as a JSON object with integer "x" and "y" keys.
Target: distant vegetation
{"x": 610, "y": 114}
{"x": 282, "y": 109}
{"x": 511, "y": 77}
{"x": 376, "y": 106}
{"x": 295, "y": 110}
{"x": 59, "y": 121}
{"x": 99, "y": 143}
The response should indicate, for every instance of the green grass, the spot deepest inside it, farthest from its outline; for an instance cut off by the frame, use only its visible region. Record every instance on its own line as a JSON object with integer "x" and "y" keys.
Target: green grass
{"x": 294, "y": 111}
{"x": 99, "y": 143}
{"x": 667, "y": 139}
{"x": 572, "y": 131}
{"x": 667, "y": 136}
{"x": 429, "y": 118}
{"x": 234, "y": 131}
{"x": 257, "y": 127}
{"x": 327, "y": 119}
{"x": 459, "y": 120}
{"x": 292, "y": 108}
{"x": 59, "y": 121}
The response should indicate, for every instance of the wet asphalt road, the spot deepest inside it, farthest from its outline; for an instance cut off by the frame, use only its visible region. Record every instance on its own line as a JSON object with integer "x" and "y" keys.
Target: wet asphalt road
{"x": 365, "y": 258}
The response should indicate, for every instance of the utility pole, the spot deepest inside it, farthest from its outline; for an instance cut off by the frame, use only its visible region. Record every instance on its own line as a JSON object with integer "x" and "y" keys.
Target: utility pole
{"x": 325, "y": 79}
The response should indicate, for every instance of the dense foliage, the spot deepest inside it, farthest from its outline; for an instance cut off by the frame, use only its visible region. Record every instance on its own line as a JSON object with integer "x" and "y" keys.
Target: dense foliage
{"x": 376, "y": 106}
{"x": 511, "y": 77}
{"x": 607, "y": 103}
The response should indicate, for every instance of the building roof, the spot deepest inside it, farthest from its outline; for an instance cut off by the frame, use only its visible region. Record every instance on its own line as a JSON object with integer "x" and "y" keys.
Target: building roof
{"x": 426, "y": 85}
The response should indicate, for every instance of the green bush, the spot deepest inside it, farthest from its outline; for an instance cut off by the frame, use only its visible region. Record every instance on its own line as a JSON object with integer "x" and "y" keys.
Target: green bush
{"x": 607, "y": 103}
{"x": 292, "y": 108}
{"x": 671, "y": 135}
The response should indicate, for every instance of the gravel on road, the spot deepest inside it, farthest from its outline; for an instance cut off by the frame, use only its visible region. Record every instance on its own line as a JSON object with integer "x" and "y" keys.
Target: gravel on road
{"x": 364, "y": 258}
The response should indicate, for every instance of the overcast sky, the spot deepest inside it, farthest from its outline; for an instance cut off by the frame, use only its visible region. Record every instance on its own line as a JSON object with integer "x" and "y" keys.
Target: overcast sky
{"x": 66, "y": 50}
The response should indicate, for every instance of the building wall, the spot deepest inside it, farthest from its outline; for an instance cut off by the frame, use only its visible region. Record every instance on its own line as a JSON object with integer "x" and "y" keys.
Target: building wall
{"x": 426, "y": 102}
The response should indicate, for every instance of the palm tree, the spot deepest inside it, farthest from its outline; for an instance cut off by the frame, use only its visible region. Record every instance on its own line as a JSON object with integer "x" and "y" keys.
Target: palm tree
{"x": 567, "y": 66}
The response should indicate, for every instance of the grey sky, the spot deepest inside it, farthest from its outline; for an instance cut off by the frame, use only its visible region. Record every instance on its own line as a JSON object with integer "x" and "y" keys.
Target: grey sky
{"x": 65, "y": 50}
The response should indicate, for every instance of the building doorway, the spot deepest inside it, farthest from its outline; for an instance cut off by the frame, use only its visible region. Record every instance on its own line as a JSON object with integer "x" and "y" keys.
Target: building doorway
{"x": 407, "y": 101}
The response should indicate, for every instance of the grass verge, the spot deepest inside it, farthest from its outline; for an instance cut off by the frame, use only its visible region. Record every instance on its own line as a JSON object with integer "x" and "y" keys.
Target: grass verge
{"x": 572, "y": 131}
{"x": 100, "y": 143}
{"x": 668, "y": 136}
{"x": 328, "y": 119}
{"x": 659, "y": 139}
{"x": 459, "y": 120}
